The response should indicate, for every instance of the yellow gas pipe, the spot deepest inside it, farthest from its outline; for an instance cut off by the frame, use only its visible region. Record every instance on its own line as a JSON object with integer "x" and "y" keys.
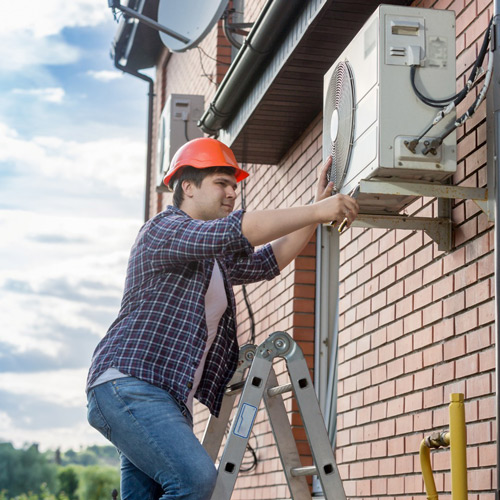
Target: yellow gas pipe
{"x": 456, "y": 440}
{"x": 458, "y": 448}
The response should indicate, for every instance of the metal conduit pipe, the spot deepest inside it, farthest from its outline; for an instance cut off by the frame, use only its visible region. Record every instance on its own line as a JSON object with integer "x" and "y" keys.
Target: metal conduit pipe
{"x": 261, "y": 41}
{"x": 151, "y": 97}
{"x": 496, "y": 169}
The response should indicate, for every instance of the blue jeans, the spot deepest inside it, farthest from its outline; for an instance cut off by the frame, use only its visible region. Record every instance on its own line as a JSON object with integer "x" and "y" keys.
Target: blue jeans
{"x": 161, "y": 458}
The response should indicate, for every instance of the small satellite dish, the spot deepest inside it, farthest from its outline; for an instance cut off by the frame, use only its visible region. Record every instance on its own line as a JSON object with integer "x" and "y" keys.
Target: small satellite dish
{"x": 190, "y": 18}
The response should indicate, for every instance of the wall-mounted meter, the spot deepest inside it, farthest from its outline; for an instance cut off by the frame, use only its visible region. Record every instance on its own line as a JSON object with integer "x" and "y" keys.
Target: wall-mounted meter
{"x": 177, "y": 126}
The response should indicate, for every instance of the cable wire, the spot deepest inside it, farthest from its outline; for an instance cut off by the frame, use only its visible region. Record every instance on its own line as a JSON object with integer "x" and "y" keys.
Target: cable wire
{"x": 204, "y": 73}
{"x": 471, "y": 82}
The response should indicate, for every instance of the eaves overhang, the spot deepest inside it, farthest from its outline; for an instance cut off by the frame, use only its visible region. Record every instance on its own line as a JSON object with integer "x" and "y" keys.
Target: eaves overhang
{"x": 267, "y": 100}
{"x": 137, "y": 46}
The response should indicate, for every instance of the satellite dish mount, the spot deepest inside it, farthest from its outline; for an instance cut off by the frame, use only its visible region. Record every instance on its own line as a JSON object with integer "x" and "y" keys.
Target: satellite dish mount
{"x": 127, "y": 11}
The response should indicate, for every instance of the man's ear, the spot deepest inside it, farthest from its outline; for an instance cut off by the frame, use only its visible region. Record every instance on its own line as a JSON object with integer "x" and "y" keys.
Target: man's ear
{"x": 187, "y": 188}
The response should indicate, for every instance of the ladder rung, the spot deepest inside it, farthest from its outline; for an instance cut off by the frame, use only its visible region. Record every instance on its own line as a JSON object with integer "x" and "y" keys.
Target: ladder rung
{"x": 304, "y": 471}
{"x": 279, "y": 389}
{"x": 233, "y": 389}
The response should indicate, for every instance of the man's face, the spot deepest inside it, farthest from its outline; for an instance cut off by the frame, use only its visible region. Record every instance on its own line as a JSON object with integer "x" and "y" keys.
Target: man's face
{"x": 214, "y": 198}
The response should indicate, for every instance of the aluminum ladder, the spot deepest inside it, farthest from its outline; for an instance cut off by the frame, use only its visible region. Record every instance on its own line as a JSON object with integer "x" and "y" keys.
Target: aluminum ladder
{"x": 261, "y": 383}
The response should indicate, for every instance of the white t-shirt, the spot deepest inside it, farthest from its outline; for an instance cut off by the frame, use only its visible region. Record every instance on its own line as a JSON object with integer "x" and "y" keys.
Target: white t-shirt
{"x": 215, "y": 305}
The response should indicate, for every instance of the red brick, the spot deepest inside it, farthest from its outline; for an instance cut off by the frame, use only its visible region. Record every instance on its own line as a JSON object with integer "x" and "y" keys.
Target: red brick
{"x": 479, "y": 479}
{"x": 465, "y": 277}
{"x": 443, "y": 329}
{"x": 442, "y": 288}
{"x": 423, "y": 297}
{"x": 486, "y": 266}
{"x": 404, "y": 306}
{"x": 454, "y": 260}
{"x": 486, "y": 313}
{"x": 466, "y": 321}
{"x": 467, "y": 366}
{"x": 486, "y": 408}
{"x": 412, "y": 322}
{"x": 478, "y": 293}
{"x": 413, "y": 362}
{"x": 395, "y": 485}
{"x": 379, "y": 449}
{"x": 454, "y": 304}
{"x": 404, "y": 384}
{"x": 424, "y": 379}
{"x": 487, "y": 360}
{"x": 433, "y": 355}
{"x": 478, "y": 386}
{"x": 387, "y": 466}
{"x": 422, "y": 421}
{"x": 413, "y": 282}
{"x": 432, "y": 313}
{"x": 413, "y": 402}
{"x": 454, "y": 348}
{"x": 395, "y": 407}
{"x": 387, "y": 390}
{"x": 422, "y": 338}
{"x": 433, "y": 272}
{"x": 444, "y": 372}
{"x": 395, "y": 368}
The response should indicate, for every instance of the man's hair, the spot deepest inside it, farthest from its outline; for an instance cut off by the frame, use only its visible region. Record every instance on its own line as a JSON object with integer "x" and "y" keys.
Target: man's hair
{"x": 196, "y": 176}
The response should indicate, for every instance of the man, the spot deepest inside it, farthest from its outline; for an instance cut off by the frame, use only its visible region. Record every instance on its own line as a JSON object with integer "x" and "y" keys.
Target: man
{"x": 175, "y": 335}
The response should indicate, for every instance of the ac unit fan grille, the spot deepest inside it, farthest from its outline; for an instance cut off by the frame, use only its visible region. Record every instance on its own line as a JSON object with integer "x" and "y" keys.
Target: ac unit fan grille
{"x": 339, "y": 115}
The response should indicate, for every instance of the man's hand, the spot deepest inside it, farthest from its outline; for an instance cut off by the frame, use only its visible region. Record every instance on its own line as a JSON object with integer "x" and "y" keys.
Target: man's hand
{"x": 333, "y": 208}
{"x": 324, "y": 188}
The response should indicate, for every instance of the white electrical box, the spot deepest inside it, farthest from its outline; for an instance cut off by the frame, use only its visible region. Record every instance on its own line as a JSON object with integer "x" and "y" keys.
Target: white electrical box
{"x": 177, "y": 126}
{"x": 371, "y": 112}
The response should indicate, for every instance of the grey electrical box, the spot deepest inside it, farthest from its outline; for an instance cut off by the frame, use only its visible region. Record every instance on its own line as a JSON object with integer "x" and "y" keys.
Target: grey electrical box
{"x": 177, "y": 126}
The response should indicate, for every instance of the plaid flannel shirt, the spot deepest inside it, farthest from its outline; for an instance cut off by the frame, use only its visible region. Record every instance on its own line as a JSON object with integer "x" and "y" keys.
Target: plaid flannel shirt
{"x": 160, "y": 333}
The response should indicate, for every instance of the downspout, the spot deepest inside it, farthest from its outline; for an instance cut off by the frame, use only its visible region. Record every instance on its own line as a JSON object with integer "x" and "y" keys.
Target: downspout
{"x": 496, "y": 133}
{"x": 151, "y": 97}
{"x": 262, "y": 40}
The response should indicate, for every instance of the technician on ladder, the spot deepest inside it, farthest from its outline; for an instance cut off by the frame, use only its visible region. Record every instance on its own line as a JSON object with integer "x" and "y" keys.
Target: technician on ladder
{"x": 175, "y": 335}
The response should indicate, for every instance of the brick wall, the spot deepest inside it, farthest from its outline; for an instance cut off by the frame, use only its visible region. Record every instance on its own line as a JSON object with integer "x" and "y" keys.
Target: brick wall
{"x": 416, "y": 324}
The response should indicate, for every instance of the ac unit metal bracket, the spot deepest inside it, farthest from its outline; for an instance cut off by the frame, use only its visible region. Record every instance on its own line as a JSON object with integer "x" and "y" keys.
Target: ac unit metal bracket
{"x": 438, "y": 228}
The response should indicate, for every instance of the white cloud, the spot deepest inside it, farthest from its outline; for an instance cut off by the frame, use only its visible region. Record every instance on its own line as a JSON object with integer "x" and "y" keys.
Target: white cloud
{"x": 70, "y": 292}
{"x": 105, "y": 76}
{"x": 30, "y": 31}
{"x": 73, "y": 436}
{"x": 112, "y": 163}
{"x": 50, "y": 17}
{"x": 24, "y": 51}
{"x": 51, "y": 94}
{"x": 61, "y": 387}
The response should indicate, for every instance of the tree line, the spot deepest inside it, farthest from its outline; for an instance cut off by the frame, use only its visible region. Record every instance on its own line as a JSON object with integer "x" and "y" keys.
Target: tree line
{"x": 28, "y": 474}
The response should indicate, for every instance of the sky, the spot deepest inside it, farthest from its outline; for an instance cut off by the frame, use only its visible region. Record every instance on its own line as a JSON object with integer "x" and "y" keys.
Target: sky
{"x": 72, "y": 172}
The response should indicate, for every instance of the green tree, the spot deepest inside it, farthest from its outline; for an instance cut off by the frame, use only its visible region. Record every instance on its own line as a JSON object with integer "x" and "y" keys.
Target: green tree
{"x": 25, "y": 470}
{"x": 97, "y": 482}
{"x": 68, "y": 482}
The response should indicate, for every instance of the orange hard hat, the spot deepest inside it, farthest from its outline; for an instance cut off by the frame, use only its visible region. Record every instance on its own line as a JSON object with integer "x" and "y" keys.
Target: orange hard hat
{"x": 204, "y": 152}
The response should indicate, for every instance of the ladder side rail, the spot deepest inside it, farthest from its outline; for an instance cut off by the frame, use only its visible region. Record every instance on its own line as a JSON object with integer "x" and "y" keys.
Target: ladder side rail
{"x": 241, "y": 427}
{"x": 285, "y": 441}
{"x": 314, "y": 424}
{"x": 216, "y": 427}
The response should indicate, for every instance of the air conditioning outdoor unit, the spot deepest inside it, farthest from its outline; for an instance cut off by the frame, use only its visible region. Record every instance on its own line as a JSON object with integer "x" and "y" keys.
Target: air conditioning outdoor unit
{"x": 372, "y": 113}
{"x": 177, "y": 126}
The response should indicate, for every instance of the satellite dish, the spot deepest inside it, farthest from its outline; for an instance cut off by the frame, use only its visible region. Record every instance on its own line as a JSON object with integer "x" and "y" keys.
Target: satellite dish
{"x": 190, "y": 18}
